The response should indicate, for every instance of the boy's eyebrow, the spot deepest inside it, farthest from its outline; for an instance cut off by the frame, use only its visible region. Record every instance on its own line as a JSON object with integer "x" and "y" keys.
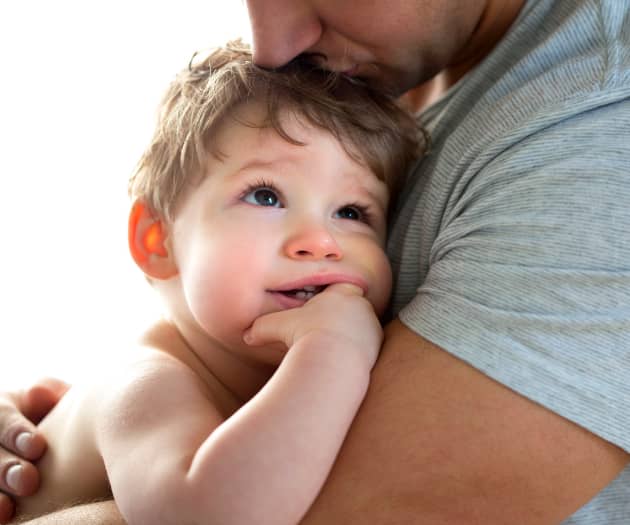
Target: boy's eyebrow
{"x": 374, "y": 196}
{"x": 257, "y": 163}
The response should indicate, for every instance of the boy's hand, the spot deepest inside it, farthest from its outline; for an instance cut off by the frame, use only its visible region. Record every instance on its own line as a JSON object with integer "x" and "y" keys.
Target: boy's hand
{"x": 340, "y": 313}
{"x": 20, "y": 441}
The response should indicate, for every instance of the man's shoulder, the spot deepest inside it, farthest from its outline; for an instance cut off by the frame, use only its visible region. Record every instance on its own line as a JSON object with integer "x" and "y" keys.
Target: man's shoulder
{"x": 560, "y": 60}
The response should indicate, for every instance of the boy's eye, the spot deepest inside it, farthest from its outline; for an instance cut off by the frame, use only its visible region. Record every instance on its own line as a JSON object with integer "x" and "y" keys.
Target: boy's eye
{"x": 353, "y": 213}
{"x": 262, "y": 197}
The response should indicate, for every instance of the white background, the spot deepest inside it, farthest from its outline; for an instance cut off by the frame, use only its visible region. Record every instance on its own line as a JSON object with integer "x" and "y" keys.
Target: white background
{"x": 79, "y": 85}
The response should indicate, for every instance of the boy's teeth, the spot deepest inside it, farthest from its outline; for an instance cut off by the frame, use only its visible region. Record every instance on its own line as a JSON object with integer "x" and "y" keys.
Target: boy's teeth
{"x": 305, "y": 293}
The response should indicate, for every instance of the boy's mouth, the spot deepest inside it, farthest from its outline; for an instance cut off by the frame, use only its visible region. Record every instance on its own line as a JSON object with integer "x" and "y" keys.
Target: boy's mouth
{"x": 297, "y": 292}
{"x": 303, "y": 294}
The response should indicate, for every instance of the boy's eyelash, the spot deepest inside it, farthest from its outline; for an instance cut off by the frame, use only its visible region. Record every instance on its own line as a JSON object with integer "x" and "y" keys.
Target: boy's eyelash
{"x": 260, "y": 184}
{"x": 365, "y": 211}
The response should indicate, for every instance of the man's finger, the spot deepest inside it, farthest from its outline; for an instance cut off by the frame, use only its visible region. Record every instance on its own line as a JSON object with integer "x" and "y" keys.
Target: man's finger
{"x": 7, "y": 508}
{"x": 18, "y": 434}
{"x": 17, "y": 478}
{"x": 38, "y": 400}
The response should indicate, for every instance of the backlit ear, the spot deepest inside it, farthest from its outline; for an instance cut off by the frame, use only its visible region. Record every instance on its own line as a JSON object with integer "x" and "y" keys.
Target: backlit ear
{"x": 147, "y": 243}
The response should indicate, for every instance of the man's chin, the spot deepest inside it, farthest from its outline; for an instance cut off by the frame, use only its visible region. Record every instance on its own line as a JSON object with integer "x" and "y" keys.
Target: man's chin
{"x": 388, "y": 84}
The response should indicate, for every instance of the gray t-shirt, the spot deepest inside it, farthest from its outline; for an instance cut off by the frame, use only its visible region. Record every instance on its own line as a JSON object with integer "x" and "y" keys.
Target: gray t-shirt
{"x": 511, "y": 245}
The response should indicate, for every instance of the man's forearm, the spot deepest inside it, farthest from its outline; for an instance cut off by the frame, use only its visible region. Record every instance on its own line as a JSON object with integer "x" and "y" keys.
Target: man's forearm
{"x": 98, "y": 513}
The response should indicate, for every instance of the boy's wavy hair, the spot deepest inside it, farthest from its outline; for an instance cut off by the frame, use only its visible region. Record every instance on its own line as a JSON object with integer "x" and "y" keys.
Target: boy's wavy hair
{"x": 372, "y": 128}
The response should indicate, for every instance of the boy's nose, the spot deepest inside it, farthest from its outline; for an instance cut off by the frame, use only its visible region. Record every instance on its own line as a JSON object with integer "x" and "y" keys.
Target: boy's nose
{"x": 281, "y": 30}
{"x": 313, "y": 244}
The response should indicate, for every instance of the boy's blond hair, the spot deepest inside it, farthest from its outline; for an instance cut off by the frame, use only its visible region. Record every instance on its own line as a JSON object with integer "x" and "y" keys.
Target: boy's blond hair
{"x": 372, "y": 128}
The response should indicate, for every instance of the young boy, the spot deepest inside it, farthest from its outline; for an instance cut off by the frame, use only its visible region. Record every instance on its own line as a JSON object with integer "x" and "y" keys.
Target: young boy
{"x": 259, "y": 216}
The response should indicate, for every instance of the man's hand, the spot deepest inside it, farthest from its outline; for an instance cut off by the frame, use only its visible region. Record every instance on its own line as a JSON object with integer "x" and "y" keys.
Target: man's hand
{"x": 340, "y": 313}
{"x": 20, "y": 443}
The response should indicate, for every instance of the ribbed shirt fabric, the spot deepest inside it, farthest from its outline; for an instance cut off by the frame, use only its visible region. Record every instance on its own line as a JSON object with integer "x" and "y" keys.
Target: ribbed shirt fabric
{"x": 511, "y": 244}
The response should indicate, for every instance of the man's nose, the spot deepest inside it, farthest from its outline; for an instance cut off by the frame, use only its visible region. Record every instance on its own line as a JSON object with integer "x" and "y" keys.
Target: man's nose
{"x": 281, "y": 30}
{"x": 312, "y": 243}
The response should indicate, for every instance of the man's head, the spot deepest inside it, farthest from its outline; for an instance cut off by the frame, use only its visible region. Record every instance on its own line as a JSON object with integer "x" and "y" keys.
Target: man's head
{"x": 207, "y": 95}
{"x": 394, "y": 44}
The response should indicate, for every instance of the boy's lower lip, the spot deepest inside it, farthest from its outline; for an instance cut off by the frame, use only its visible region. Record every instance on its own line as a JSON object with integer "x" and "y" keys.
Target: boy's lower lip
{"x": 287, "y": 301}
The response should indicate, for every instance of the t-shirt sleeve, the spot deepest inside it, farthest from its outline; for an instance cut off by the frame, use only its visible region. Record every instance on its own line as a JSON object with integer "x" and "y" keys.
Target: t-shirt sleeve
{"x": 529, "y": 277}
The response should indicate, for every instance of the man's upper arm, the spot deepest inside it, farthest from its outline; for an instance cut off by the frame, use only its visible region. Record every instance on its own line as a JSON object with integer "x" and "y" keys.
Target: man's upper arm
{"x": 438, "y": 442}
{"x": 98, "y": 513}
{"x": 526, "y": 281}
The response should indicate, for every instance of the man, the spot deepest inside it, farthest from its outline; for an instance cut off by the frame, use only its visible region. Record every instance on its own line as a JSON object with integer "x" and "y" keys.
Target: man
{"x": 501, "y": 392}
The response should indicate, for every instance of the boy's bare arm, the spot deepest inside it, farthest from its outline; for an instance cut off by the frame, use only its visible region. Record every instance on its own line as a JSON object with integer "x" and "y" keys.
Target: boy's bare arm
{"x": 267, "y": 462}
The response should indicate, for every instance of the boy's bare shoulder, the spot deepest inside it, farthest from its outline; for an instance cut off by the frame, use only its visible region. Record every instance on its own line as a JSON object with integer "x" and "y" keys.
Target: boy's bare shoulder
{"x": 147, "y": 394}
{"x": 158, "y": 372}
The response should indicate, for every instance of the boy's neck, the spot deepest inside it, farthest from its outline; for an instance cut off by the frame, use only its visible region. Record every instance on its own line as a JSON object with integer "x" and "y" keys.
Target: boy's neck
{"x": 230, "y": 380}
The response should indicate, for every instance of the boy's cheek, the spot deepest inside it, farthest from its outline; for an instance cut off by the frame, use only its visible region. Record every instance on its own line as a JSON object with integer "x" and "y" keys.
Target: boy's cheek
{"x": 381, "y": 287}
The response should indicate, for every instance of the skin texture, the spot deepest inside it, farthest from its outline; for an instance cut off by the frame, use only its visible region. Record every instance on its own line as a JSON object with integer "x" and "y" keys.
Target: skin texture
{"x": 435, "y": 441}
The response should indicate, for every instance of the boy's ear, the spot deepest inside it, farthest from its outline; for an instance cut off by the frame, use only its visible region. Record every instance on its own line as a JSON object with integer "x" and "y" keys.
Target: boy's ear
{"x": 147, "y": 243}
